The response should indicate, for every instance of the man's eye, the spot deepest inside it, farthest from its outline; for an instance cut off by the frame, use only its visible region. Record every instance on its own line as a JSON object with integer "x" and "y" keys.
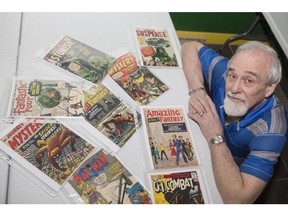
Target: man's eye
{"x": 231, "y": 76}
{"x": 249, "y": 82}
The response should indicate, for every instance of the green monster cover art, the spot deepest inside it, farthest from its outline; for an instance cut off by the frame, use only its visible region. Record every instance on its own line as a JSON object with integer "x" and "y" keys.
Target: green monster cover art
{"x": 46, "y": 98}
{"x": 80, "y": 59}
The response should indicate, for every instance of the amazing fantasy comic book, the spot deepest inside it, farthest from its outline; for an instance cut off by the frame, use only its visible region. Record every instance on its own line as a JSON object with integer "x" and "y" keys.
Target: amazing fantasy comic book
{"x": 177, "y": 188}
{"x": 45, "y": 98}
{"x": 80, "y": 59}
{"x": 138, "y": 82}
{"x": 109, "y": 115}
{"x": 103, "y": 179}
{"x": 168, "y": 138}
{"x": 50, "y": 151}
{"x": 156, "y": 47}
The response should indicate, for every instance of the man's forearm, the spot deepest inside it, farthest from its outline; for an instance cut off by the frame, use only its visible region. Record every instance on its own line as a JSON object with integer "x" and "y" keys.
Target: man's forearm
{"x": 191, "y": 65}
{"x": 234, "y": 186}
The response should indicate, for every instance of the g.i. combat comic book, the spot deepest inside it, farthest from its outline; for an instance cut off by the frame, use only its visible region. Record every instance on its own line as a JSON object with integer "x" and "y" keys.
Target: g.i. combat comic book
{"x": 45, "y": 98}
{"x": 105, "y": 112}
{"x": 178, "y": 188}
{"x": 138, "y": 82}
{"x": 103, "y": 179}
{"x": 156, "y": 47}
{"x": 80, "y": 59}
{"x": 168, "y": 139}
{"x": 51, "y": 151}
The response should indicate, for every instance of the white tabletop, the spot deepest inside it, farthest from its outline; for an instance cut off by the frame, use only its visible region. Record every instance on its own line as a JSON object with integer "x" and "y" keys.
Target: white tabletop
{"x": 10, "y": 33}
{"x": 107, "y": 31}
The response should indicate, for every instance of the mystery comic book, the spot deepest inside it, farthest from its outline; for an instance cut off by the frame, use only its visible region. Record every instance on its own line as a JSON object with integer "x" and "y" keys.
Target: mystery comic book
{"x": 138, "y": 82}
{"x": 51, "y": 151}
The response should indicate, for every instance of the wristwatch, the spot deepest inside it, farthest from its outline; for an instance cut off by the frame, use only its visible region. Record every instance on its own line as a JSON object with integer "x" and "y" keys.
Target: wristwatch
{"x": 217, "y": 139}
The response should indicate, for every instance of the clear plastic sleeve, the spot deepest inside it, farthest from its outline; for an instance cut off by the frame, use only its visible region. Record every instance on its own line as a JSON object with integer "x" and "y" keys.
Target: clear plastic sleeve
{"x": 46, "y": 152}
{"x": 156, "y": 47}
{"x": 105, "y": 179}
{"x": 44, "y": 97}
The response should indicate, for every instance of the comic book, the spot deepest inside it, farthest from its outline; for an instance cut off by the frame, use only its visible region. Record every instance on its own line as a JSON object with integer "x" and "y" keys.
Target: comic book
{"x": 109, "y": 115}
{"x": 45, "y": 98}
{"x": 138, "y": 82}
{"x": 51, "y": 151}
{"x": 156, "y": 47}
{"x": 103, "y": 179}
{"x": 80, "y": 59}
{"x": 178, "y": 188}
{"x": 168, "y": 137}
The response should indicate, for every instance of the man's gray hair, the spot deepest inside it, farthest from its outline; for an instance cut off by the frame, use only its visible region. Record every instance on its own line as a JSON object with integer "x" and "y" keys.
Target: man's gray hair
{"x": 275, "y": 73}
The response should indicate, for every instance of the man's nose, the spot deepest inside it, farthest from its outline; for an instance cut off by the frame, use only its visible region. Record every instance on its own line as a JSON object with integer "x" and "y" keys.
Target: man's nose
{"x": 236, "y": 86}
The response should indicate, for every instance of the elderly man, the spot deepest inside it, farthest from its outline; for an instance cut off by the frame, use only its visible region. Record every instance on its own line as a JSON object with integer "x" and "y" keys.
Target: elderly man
{"x": 243, "y": 121}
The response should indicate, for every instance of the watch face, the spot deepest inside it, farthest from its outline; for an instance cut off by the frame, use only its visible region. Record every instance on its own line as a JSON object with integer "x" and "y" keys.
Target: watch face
{"x": 218, "y": 139}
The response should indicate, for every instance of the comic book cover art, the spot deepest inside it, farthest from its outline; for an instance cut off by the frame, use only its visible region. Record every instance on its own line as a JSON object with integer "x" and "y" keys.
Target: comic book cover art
{"x": 80, "y": 59}
{"x": 51, "y": 148}
{"x": 34, "y": 98}
{"x": 138, "y": 82}
{"x": 177, "y": 188}
{"x": 167, "y": 134}
{"x": 103, "y": 179}
{"x": 109, "y": 115}
{"x": 156, "y": 47}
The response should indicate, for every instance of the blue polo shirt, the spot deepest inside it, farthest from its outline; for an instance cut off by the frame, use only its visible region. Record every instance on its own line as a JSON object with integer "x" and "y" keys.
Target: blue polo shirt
{"x": 257, "y": 139}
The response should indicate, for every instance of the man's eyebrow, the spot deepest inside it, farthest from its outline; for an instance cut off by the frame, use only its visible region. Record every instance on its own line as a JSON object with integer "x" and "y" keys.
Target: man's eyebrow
{"x": 252, "y": 73}
{"x": 249, "y": 72}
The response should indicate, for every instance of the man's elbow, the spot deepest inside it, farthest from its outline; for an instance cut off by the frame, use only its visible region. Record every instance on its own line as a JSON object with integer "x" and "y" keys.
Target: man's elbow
{"x": 240, "y": 198}
{"x": 192, "y": 44}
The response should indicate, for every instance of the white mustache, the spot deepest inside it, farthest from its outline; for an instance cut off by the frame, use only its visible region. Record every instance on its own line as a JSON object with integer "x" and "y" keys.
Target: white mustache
{"x": 237, "y": 96}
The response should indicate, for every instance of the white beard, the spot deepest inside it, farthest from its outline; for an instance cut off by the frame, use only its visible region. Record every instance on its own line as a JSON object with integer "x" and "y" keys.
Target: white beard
{"x": 235, "y": 109}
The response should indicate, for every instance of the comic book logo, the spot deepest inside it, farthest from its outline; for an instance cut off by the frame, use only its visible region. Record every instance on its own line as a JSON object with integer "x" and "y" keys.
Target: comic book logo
{"x": 35, "y": 88}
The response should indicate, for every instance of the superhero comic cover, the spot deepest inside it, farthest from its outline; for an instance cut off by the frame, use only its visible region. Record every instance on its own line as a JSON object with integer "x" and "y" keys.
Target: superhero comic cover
{"x": 156, "y": 47}
{"x": 185, "y": 187}
{"x": 168, "y": 137}
{"x": 45, "y": 98}
{"x": 138, "y": 82}
{"x": 109, "y": 115}
{"x": 80, "y": 59}
{"x": 103, "y": 179}
{"x": 51, "y": 151}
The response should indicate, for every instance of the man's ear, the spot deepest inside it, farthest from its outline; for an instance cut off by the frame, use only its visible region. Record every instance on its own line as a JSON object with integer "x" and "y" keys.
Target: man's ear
{"x": 270, "y": 89}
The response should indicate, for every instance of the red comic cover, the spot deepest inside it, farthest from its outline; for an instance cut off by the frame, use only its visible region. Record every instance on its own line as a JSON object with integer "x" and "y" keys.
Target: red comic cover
{"x": 80, "y": 59}
{"x": 45, "y": 98}
{"x": 138, "y": 82}
{"x": 168, "y": 139}
{"x": 178, "y": 188}
{"x": 156, "y": 47}
{"x": 103, "y": 179}
{"x": 50, "y": 150}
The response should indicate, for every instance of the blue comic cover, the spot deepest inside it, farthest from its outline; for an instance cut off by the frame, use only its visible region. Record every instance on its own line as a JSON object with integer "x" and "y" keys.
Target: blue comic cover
{"x": 103, "y": 179}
